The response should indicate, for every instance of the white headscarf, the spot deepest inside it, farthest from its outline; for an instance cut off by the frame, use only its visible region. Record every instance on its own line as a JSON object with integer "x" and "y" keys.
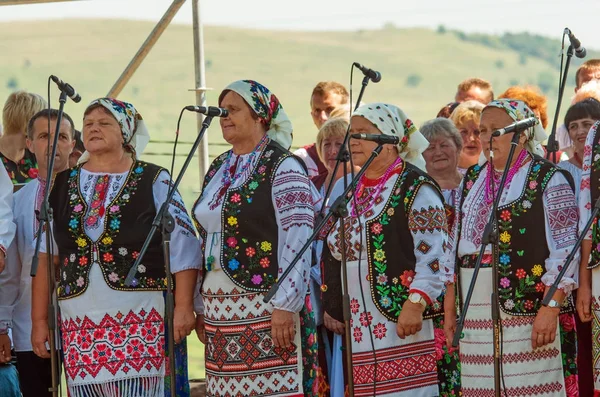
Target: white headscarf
{"x": 134, "y": 131}
{"x": 266, "y": 105}
{"x": 391, "y": 120}
{"x": 518, "y": 110}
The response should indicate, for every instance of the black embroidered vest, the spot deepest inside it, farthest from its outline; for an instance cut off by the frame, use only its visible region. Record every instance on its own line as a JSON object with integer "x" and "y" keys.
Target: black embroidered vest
{"x": 249, "y": 233}
{"x": 391, "y": 263}
{"x": 522, "y": 249}
{"x": 128, "y": 219}
{"x": 595, "y": 193}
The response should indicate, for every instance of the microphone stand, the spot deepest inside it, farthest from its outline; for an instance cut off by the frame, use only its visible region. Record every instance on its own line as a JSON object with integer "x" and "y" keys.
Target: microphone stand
{"x": 164, "y": 220}
{"x": 344, "y": 154}
{"x": 569, "y": 258}
{"x": 339, "y": 211}
{"x": 45, "y": 218}
{"x": 490, "y": 236}
{"x": 552, "y": 146}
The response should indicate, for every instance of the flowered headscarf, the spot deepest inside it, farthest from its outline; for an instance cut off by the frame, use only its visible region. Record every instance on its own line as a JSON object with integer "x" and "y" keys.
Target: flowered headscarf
{"x": 391, "y": 120}
{"x": 518, "y": 110}
{"x": 266, "y": 105}
{"x": 134, "y": 131}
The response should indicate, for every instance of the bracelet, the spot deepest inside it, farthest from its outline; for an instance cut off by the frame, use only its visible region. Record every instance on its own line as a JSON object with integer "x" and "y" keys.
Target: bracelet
{"x": 3, "y": 250}
{"x": 3, "y": 329}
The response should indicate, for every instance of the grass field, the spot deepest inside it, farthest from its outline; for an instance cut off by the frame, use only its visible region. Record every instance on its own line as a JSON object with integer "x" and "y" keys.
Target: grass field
{"x": 289, "y": 63}
{"x": 420, "y": 70}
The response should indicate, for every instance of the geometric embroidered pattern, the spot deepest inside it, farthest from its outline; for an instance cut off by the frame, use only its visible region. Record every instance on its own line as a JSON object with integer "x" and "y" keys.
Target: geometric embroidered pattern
{"x": 399, "y": 369}
{"x": 511, "y": 358}
{"x": 424, "y": 247}
{"x": 531, "y": 390}
{"x": 487, "y": 324}
{"x": 596, "y": 338}
{"x": 434, "y": 266}
{"x": 427, "y": 220}
{"x": 125, "y": 343}
{"x": 241, "y": 359}
{"x": 562, "y": 216}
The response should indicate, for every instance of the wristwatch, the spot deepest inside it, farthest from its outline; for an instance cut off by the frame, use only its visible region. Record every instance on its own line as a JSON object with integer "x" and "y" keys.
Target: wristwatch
{"x": 553, "y": 304}
{"x": 417, "y": 298}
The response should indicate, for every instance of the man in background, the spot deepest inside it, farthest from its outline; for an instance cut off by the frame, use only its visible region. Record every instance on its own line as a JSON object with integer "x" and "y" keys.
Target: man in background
{"x": 15, "y": 282}
{"x": 325, "y": 97}
{"x": 475, "y": 89}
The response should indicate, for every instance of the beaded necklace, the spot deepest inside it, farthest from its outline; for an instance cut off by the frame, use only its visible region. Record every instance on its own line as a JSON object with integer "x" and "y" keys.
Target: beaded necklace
{"x": 491, "y": 174}
{"x": 366, "y": 201}
{"x": 230, "y": 176}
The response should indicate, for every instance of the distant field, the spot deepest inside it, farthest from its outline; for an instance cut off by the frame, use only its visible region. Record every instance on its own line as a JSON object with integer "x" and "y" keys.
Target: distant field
{"x": 420, "y": 70}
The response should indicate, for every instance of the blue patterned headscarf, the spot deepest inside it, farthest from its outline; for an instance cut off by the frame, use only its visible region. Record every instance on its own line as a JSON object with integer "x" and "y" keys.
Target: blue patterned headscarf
{"x": 134, "y": 131}
{"x": 267, "y": 107}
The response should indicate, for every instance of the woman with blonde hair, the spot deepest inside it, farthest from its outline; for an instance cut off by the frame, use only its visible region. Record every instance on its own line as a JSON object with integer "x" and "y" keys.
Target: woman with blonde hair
{"x": 466, "y": 118}
{"x": 19, "y": 162}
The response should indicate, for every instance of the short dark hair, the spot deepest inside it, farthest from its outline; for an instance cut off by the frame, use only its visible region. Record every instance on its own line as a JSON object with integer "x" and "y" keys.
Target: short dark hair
{"x": 51, "y": 114}
{"x": 588, "y": 108}
{"x": 78, "y": 141}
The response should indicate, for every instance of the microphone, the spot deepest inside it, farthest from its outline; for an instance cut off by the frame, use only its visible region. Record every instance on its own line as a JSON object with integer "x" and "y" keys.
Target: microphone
{"x": 374, "y": 75}
{"x": 379, "y": 138}
{"x": 516, "y": 127}
{"x": 212, "y": 111}
{"x": 66, "y": 88}
{"x": 580, "y": 51}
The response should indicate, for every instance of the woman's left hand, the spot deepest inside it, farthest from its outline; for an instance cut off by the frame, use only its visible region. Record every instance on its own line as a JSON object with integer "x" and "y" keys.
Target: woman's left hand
{"x": 544, "y": 327}
{"x": 282, "y": 328}
{"x": 183, "y": 322}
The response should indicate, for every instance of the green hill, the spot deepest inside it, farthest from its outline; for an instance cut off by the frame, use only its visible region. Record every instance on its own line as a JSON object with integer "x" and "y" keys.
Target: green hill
{"x": 420, "y": 68}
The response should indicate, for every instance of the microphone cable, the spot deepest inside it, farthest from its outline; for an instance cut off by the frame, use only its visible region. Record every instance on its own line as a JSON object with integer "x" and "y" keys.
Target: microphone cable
{"x": 174, "y": 153}
{"x": 497, "y": 298}
{"x": 360, "y": 226}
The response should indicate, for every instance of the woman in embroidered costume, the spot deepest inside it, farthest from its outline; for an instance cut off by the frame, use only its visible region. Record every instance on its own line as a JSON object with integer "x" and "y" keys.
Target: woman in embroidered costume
{"x": 394, "y": 288}
{"x": 113, "y": 334}
{"x": 578, "y": 120}
{"x": 255, "y": 212}
{"x": 441, "y": 159}
{"x": 588, "y": 294}
{"x": 538, "y": 343}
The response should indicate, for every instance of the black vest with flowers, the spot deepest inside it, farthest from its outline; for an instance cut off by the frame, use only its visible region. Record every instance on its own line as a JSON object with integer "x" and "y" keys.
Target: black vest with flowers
{"x": 391, "y": 263}
{"x": 522, "y": 249}
{"x": 128, "y": 219}
{"x": 595, "y": 193}
{"x": 249, "y": 231}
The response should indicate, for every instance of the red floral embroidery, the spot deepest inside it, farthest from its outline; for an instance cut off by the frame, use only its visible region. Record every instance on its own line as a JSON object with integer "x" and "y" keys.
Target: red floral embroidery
{"x": 379, "y": 331}
{"x": 357, "y": 334}
{"x": 354, "y": 306}
{"x": 365, "y": 319}
{"x": 132, "y": 342}
{"x": 250, "y": 252}
{"x": 407, "y": 277}
{"x": 521, "y": 273}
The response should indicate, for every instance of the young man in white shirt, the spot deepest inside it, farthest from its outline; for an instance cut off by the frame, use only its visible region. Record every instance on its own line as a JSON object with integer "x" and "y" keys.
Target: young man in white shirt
{"x": 15, "y": 281}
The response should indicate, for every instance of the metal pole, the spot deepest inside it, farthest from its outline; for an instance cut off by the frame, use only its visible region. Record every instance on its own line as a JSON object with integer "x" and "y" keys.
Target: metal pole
{"x": 200, "y": 89}
{"x": 145, "y": 48}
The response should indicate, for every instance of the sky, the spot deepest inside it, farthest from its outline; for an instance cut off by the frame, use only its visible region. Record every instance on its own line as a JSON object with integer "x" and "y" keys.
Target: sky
{"x": 546, "y": 17}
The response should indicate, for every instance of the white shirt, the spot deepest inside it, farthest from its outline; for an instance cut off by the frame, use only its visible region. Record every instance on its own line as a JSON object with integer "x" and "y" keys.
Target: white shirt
{"x": 560, "y": 222}
{"x": 313, "y": 169}
{"x": 292, "y": 200}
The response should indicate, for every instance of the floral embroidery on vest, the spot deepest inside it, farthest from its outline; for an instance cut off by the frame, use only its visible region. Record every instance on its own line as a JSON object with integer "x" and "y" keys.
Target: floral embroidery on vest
{"x": 74, "y": 273}
{"x": 513, "y": 294}
{"x": 256, "y": 273}
{"x": 390, "y": 295}
{"x": 594, "y": 188}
